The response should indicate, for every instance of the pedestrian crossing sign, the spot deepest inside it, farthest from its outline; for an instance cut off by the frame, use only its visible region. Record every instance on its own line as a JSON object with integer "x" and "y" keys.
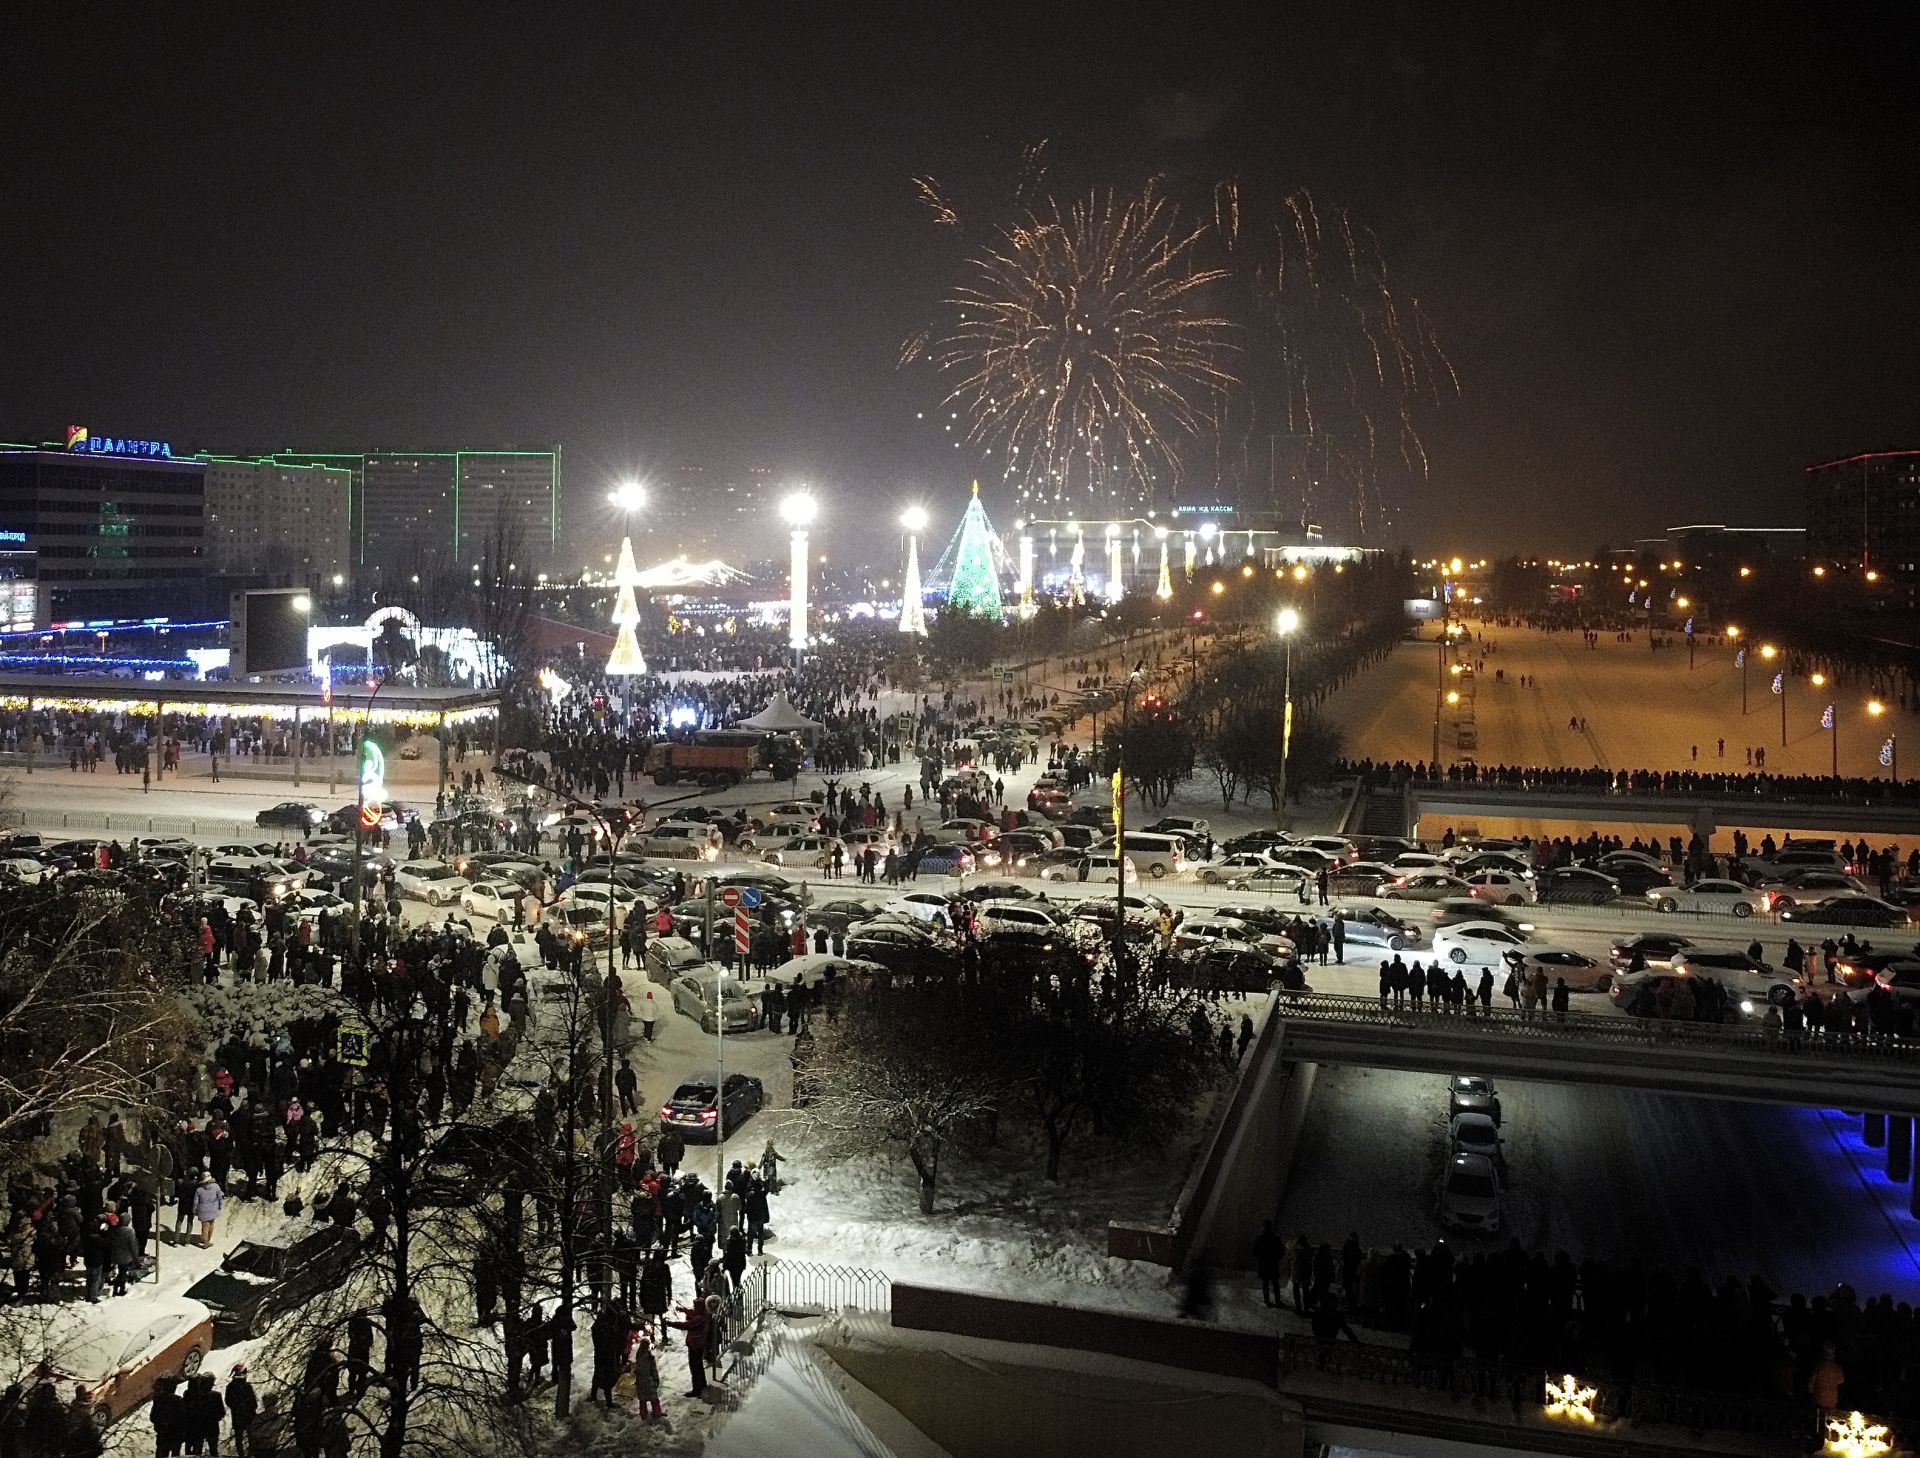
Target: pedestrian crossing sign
{"x": 350, "y": 1047}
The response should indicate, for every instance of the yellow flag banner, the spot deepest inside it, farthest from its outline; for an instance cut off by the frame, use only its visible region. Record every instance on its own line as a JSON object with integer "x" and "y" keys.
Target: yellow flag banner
{"x": 1286, "y": 731}
{"x": 1119, "y": 792}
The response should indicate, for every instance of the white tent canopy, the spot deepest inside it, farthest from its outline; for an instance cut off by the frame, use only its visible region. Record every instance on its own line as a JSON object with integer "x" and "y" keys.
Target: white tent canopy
{"x": 780, "y": 717}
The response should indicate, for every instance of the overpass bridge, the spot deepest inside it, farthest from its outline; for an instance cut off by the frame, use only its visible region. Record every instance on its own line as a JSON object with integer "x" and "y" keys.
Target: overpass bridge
{"x": 1702, "y": 1060}
{"x": 1460, "y": 800}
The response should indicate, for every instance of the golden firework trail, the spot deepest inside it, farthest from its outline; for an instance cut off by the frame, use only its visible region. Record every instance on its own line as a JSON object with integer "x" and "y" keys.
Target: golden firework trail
{"x": 1081, "y": 351}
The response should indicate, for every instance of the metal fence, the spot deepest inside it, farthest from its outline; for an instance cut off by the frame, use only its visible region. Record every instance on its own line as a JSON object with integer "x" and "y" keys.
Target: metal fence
{"x": 809, "y": 1286}
{"x": 1545, "y": 1025}
{"x": 1757, "y": 797}
{"x": 1525, "y": 1387}
{"x": 118, "y": 823}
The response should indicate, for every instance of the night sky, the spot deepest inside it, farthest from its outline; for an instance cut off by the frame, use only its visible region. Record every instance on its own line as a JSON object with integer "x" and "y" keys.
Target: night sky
{"x": 1671, "y": 259}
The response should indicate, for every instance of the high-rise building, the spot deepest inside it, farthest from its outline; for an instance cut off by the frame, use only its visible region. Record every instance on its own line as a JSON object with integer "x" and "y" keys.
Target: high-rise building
{"x": 1863, "y": 514}
{"x": 279, "y": 517}
{"x": 116, "y": 526}
{"x": 410, "y": 507}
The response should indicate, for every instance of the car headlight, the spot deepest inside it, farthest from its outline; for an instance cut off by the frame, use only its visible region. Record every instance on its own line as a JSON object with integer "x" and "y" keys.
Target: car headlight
{"x": 1746, "y": 1006}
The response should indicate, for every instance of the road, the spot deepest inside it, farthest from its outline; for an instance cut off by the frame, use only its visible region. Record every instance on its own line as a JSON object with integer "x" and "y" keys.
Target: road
{"x": 1733, "y": 1188}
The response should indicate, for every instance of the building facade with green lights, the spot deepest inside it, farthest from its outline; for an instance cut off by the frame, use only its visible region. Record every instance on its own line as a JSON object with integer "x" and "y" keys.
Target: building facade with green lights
{"x": 413, "y": 507}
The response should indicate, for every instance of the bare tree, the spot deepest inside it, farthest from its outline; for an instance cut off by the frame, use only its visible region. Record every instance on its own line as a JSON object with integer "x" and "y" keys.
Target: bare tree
{"x": 89, "y": 1004}
{"x": 907, "y": 1070}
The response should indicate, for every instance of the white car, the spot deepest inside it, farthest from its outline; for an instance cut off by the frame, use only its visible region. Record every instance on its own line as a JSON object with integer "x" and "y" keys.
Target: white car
{"x": 494, "y": 900}
{"x": 1478, "y": 1134}
{"x": 1024, "y": 921}
{"x": 1274, "y": 880}
{"x": 1096, "y": 868}
{"x": 434, "y": 882}
{"x": 1425, "y": 886}
{"x": 776, "y": 832}
{"x": 930, "y": 907}
{"x": 1729, "y": 898}
{"x": 1337, "y": 846}
{"x": 1582, "y": 973}
{"x": 1502, "y": 888}
{"x": 239, "y": 854}
{"x": 963, "y": 831}
{"x": 1466, "y": 850}
{"x": 683, "y": 840}
{"x": 1470, "y": 1193}
{"x": 1206, "y": 930}
{"x": 807, "y": 851}
{"x": 1229, "y": 868}
{"x": 23, "y": 869}
{"x": 1477, "y": 943}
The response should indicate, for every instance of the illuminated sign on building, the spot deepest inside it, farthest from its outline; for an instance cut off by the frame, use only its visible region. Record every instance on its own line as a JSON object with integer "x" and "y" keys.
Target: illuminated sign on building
{"x": 12, "y": 536}
{"x": 80, "y": 439}
{"x": 1203, "y": 511}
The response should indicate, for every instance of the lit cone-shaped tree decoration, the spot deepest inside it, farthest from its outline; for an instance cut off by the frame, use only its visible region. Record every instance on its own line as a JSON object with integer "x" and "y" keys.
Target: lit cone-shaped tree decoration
{"x": 913, "y": 607}
{"x": 975, "y": 587}
{"x": 625, "y": 658}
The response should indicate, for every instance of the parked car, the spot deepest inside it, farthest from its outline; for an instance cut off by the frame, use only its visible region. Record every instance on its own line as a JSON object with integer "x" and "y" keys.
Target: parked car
{"x": 493, "y": 900}
{"x": 682, "y": 841}
{"x": 1846, "y": 911}
{"x": 116, "y": 1352}
{"x": 433, "y": 882}
{"x": 1363, "y": 926}
{"x": 1576, "y": 886}
{"x": 297, "y": 815}
{"x": 695, "y": 1110}
{"x": 1273, "y": 880}
{"x": 1477, "y": 943}
{"x": 1472, "y": 1093}
{"x": 1655, "y": 949}
{"x": 1425, "y": 886}
{"x": 1096, "y": 868}
{"x": 1470, "y": 1193}
{"x": 1502, "y": 888}
{"x": 708, "y": 998}
{"x": 260, "y": 1281}
{"x": 933, "y": 907}
{"x": 1229, "y": 868}
{"x": 1727, "y": 898}
{"x": 1581, "y": 972}
{"x": 1456, "y": 909}
{"x": 669, "y": 957}
{"x": 946, "y": 860}
{"x": 1792, "y": 888}
{"x": 1478, "y": 1134}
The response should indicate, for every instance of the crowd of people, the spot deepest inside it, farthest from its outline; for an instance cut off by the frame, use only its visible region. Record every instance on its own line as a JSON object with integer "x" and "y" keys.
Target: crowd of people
{"x": 1626, "y": 1322}
{"x": 1754, "y": 785}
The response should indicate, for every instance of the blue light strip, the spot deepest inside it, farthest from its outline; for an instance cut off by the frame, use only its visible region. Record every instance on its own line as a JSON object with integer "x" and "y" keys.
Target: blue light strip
{"x": 89, "y": 660}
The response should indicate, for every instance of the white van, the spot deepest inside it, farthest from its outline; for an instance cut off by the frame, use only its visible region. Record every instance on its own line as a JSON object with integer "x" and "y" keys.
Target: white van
{"x": 1157, "y": 856}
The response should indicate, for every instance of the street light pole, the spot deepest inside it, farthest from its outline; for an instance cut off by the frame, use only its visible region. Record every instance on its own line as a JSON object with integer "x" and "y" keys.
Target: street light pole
{"x": 360, "y": 826}
{"x": 1286, "y": 625}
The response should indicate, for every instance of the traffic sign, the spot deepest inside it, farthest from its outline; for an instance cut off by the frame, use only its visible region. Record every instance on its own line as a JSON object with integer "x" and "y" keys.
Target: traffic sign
{"x": 730, "y": 896}
{"x": 350, "y": 1047}
{"x": 749, "y": 897}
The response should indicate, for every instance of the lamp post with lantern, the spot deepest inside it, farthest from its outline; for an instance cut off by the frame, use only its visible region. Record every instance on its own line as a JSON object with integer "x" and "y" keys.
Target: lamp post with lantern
{"x": 1286, "y": 625}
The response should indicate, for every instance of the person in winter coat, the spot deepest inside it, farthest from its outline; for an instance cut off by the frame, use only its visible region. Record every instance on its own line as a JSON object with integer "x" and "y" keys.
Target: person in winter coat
{"x": 1267, "y": 1251}
{"x": 96, "y": 1250}
{"x": 755, "y": 1207}
{"x": 609, "y": 1333}
{"x": 1827, "y": 1377}
{"x": 243, "y": 1407}
{"x": 207, "y": 1200}
{"x": 169, "y": 1420}
{"x": 656, "y": 1286}
{"x": 699, "y": 1329}
{"x": 728, "y": 1209}
{"x": 123, "y": 1252}
{"x": 734, "y": 1258}
{"x": 1560, "y": 998}
{"x": 646, "y": 1379}
{"x": 202, "y": 1413}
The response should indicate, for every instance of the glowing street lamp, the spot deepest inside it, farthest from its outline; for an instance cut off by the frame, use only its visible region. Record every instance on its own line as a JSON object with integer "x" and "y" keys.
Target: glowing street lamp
{"x": 1286, "y": 625}
{"x": 913, "y": 607}
{"x": 798, "y": 511}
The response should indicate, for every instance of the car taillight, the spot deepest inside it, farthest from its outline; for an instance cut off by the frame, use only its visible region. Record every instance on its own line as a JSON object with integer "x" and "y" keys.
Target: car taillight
{"x": 707, "y": 1116}
{"x": 666, "y": 1111}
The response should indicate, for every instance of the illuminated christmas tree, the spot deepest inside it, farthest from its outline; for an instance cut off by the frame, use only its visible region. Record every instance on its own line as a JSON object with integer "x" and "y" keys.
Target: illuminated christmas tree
{"x": 625, "y": 658}
{"x": 974, "y": 585}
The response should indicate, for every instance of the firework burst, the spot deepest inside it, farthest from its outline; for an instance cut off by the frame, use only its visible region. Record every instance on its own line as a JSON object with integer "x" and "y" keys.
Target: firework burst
{"x": 1081, "y": 352}
{"x": 1343, "y": 362}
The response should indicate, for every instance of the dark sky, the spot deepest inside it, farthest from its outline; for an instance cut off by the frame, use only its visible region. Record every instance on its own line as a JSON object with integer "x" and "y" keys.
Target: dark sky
{"x": 1670, "y": 256}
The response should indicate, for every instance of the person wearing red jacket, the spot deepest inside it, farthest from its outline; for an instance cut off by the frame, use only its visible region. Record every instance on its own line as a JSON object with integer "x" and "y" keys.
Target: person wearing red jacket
{"x": 699, "y": 1329}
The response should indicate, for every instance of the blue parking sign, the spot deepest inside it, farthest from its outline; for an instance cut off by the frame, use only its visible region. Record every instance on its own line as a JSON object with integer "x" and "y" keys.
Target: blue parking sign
{"x": 750, "y": 897}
